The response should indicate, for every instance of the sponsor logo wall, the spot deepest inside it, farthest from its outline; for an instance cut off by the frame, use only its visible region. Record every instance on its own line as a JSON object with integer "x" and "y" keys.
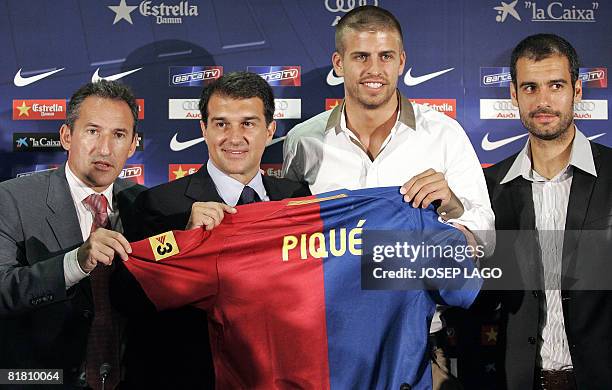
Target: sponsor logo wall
{"x": 167, "y": 52}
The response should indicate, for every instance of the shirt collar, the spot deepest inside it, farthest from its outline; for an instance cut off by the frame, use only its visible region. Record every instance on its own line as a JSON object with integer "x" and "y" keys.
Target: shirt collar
{"x": 406, "y": 115}
{"x": 80, "y": 190}
{"x": 581, "y": 157}
{"x": 229, "y": 188}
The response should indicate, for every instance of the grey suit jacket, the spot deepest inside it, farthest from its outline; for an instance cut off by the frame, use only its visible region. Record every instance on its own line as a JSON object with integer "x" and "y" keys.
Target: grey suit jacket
{"x": 43, "y": 325}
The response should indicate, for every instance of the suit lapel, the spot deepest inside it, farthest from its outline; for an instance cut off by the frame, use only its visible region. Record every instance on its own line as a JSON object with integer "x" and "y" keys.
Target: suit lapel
{"x": 201, "y": 187}
{"x": 522, "y": 203}
{"x": 577, "y": 207}
{"x": 63, "y": 220}
{"x": 526, "y": 245}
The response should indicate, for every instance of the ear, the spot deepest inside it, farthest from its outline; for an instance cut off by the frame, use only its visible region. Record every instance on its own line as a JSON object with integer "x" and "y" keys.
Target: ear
{"x": 133, "y": 145}
{"x": 65, "y": 137}
{"x": 578, "y": 91}
{"x": 337, "y": 62}
{"x": 402, "y": 62}
{"x": 203, "y": 127}
{"x": 271, "y": 128}
{"x": 513, "y": 95}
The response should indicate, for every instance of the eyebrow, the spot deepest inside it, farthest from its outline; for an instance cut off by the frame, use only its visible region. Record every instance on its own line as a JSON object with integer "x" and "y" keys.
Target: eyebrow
{"x": 91, "y": 124}
{"x": 556, "y": 81}
{"x": 369, "y": 53}
{"x": 246, "y": 118}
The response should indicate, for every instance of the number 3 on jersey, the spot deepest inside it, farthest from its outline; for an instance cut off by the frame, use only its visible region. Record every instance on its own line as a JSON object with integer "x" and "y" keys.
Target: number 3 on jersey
{"x": 163, "y": 246}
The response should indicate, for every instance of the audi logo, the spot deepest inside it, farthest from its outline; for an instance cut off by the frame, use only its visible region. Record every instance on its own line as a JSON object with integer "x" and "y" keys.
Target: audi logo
{"x": 503, "y": 105}
{"x": 189, "y": 105}
{"x": 346, "y": 6}
{"x": 281, "y": 104}
{"x": 584, "y": 106}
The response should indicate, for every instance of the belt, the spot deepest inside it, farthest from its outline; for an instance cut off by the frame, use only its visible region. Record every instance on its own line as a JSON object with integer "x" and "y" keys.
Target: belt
{"x": 556, "y": 380}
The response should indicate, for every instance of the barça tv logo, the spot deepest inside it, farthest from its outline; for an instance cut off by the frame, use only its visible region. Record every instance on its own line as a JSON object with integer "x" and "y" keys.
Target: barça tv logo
{"x": 594, "y": 77}
{"x": 193, "y": 76}
{"x": 279, "y": 76}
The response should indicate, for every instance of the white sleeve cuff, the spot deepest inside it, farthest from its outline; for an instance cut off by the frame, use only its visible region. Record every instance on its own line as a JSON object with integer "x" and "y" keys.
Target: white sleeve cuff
{"x": 72, "y": 270}
{"x": 480, "y": 221}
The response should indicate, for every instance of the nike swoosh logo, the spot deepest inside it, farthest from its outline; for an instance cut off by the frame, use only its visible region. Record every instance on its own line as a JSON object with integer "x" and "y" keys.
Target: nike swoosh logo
{"x": 96, "y": 77}
{"x": 594, "y": 137}
{"x": 492, "y": 145}
{"x": 412, "y": 81}
{"x": 276, "y": 140}
{"x": 177, "y": 145}
{"x": 21, "y": 81}
{"x": 332, "y": 79}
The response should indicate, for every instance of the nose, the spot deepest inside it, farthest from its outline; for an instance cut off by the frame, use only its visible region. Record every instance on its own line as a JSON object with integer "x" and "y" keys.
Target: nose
{"x": 104, "y": 144}
{"x": 375, "y": 68}
{"x": 235, "y": 135}
{"x": 543, "y": 97}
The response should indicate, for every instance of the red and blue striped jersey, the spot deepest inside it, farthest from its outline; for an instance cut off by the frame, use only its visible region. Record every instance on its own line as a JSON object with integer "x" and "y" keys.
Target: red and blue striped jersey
{"x": 281, "y": 282}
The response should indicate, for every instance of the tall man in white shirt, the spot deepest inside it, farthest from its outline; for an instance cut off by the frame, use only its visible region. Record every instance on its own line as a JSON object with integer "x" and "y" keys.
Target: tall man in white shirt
{"x": 59, "y": 233}
{"x": 557, "y": 338}
{"x": 377, "y": 137}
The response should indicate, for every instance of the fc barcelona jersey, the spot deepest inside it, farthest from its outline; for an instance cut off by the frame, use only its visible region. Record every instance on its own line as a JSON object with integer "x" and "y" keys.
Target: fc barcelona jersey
{"x": 281, "y": 282}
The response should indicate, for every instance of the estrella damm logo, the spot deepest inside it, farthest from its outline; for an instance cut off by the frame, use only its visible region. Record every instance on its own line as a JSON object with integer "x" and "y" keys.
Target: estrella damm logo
{"x": 163, "y": 246}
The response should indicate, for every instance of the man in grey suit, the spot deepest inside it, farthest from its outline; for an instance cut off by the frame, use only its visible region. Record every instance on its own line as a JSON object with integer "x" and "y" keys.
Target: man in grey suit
{"x": 59, "y": 233}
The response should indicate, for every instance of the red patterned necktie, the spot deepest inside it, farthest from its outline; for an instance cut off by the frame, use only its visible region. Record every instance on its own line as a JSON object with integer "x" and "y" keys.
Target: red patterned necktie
{"x": 104, "y": 343}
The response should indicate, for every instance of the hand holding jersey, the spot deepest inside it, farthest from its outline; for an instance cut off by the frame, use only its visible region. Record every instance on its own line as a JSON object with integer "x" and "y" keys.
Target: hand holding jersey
{"x": 208, "y": 215}
{"x": 429, "y": 186}
{"x": 101, "y": 247}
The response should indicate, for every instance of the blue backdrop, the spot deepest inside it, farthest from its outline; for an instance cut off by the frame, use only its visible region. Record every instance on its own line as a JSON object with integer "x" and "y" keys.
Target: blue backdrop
{"x": 457, "y": 57}
{"x": 149, "y": 42}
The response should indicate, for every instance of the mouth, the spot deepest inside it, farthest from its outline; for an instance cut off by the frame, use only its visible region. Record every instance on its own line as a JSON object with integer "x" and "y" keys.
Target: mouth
{"x": 234, "y": 153}
{"x": 373, "y": 85}
{"x": 544, "y": 118}
{"x": 103, "y": 165}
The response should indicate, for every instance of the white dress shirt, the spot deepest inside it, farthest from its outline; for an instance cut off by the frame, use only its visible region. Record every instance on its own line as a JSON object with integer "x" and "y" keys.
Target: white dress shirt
{"x": 550, "y": 200}
{"x": 79, "y": 192}
{"x": 327, "y": 155}
{"x": 230, "y": 189}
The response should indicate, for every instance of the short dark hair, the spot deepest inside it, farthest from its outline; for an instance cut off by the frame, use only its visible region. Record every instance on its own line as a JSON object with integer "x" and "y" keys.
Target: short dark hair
{"x": 367, "y": 17}
{"x": 540, "y": 46}
{"x": 104, "y": 89}
{"x": 239, "y": 85}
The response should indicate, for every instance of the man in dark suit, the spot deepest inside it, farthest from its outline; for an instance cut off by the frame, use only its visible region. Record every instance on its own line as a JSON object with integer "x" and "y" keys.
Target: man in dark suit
{"x": 555, "y": 335}
{"x": 172, "y": 348}
{"x": 59, "y": 233}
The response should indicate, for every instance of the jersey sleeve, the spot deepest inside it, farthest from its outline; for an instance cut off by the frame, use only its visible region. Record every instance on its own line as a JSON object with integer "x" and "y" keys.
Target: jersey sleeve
{"x": 458, "y": 285}
{"x": 176, "y": 268}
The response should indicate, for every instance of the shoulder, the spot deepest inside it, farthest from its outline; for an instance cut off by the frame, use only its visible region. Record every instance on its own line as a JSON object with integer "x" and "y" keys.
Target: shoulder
{"x": 31, "y": 185}
{"x": 495, "y": 173}
{"x": 435, "y": 122}
{"x": 313, "y": 127}
{"x": 170, "y": 188}
{"x": 602, "y": 152}
{"x": 280, "y": 188}
{"x": 128, "y": 189}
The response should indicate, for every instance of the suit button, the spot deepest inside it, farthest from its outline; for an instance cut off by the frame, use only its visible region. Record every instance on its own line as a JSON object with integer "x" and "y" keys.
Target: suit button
{"x": 87, "y": 314}
{"x": 535, "y": 294}
{"x": 531, "y": 340}
{"x": 405, "y": 386}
